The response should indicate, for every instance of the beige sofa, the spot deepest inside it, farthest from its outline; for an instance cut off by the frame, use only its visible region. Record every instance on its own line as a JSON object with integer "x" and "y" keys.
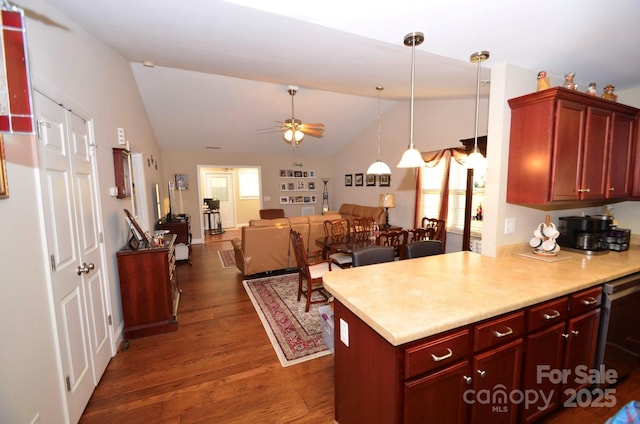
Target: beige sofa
{"x": 350, "y": 211}
{"x": 265, "y": 244}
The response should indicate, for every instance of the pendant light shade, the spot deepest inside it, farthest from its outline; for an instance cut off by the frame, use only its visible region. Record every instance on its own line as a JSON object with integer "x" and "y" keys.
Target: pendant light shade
{"x": 412, "y": 158}
{"x": 475, "y": 160}
{"x": 378, "y": 167}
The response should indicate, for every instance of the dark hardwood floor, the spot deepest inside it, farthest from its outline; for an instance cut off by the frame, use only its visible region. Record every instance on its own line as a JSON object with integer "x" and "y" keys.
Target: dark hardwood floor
{"x": 219, "y": 367}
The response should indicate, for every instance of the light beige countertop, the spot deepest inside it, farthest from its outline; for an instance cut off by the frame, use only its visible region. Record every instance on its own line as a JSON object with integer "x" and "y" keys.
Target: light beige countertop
{"x": 411, "y": 299}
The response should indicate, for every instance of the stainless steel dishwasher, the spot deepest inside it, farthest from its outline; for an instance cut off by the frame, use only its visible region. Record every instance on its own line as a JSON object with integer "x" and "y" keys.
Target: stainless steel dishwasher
{"x": 619, "y": 344}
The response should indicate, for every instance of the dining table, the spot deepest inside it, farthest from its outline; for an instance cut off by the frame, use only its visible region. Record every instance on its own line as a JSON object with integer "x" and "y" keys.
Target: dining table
{"x": 345, "y": 243}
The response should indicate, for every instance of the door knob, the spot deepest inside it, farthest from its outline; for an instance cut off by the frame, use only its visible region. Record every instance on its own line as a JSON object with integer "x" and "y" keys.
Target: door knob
{"x": 85, "y": 268}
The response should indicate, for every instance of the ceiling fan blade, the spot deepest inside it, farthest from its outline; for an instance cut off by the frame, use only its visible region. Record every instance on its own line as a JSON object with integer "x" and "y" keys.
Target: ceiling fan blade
{"x": 317, "y": 124}
{"x": 268, "y": 130}
{"x": 313, "y": 133}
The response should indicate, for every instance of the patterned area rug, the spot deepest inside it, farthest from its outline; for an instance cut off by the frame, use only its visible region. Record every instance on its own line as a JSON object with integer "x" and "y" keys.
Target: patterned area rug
{"x": 227, "y": 258}
{"x": 296, "y": 335}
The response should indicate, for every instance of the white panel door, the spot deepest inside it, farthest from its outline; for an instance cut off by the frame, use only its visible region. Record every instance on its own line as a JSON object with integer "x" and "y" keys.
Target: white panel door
{"x": 220, "y": 186}
{"x": 80, "y": 296}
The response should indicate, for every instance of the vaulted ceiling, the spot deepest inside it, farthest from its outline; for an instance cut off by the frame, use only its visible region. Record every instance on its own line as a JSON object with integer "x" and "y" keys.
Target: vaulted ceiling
{"x": 222, "y": 68}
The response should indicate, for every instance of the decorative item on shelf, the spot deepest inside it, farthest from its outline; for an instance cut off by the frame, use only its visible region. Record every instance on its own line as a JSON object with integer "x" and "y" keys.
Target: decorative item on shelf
{"x": 569, "y": 82}
{"x": 591, "y": 90}
{"x": 475, "y": 160}
{"x": 387, "y": 201}
{"x": 478, "y": 215}
{"x": 378, "y": 167}
{"x": 544, "y": 239}
{"x": 543, "y": 81}
{"x": 412, "y": 158}
{"x": 609, "y": 93}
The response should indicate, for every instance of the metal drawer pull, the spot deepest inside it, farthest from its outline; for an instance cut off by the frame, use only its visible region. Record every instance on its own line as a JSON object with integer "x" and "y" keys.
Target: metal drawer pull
{"x": 482, "y": 373}
{"x": 589, "y": 301}
{"x": 555, "y": 314}
{"x": 449, "y": 354}
{"x": 467, "y": 379}
{"x": 506, "y": 333}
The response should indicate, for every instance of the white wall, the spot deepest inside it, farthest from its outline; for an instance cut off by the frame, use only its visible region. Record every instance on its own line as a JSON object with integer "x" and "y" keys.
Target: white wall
{"x": 77, "y": 70}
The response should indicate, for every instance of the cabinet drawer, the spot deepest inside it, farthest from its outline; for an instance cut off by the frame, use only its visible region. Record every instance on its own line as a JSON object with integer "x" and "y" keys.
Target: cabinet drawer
{"x": 548, "y": 313}
{"x": 498, "y": 331}
{"x": 585, "y": 301}
{"x": 436, "y": 353}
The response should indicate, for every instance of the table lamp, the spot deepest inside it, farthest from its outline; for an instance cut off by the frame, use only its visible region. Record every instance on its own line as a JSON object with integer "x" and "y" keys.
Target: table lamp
{"x": 387, "y": 201}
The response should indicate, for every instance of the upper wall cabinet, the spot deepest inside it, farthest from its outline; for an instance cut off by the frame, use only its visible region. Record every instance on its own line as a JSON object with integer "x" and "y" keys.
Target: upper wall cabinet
{"x": 568, "y": 148}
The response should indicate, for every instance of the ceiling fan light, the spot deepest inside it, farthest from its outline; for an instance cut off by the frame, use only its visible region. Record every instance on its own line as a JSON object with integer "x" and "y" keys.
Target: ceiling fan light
{"x": 411, "y": 158}
{"x": 379, "y": 168}
{"x": 293, "y": 136}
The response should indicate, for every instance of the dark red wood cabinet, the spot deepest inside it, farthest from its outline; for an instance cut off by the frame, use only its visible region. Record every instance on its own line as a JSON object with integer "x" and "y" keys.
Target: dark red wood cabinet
{"x": 149, "y": 289}
{"x": 446, "y": 378}
{"x": 569, "y": 147}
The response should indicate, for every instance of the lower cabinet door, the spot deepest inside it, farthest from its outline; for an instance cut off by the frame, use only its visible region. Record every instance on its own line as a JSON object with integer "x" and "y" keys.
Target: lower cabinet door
{"x": 438, "y": 397}
{"x": 579, "y": 360}
{"x": 496, "y": 379}
{"x": 543, "y": 359}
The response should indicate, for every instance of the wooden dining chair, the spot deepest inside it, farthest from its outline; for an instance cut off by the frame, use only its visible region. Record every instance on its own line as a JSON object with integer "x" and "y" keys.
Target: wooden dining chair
{"x": 373, "y": 255}
{"x": 362, "y": 225}
{"x": 422, "y": 248}
{"x": 439, "y": 229}
{"x": 309, "y": 273}
{"x": 338, "y": 228}
{"x": 394, "y": 238}
{"x": 418, "y": 234}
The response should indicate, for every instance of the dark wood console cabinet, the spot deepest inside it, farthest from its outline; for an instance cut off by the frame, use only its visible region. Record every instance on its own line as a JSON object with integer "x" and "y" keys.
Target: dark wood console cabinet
{"x": 567, "y": 147}
{"x": 149, "y": 289}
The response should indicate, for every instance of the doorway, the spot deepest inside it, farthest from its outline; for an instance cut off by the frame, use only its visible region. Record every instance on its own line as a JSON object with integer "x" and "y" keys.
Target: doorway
{"x": 229, "y": 185}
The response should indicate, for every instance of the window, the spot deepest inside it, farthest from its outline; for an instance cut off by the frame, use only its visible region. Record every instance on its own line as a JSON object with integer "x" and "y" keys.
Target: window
{"x": 432, "y": 179}
{"x": 249, "y": 183}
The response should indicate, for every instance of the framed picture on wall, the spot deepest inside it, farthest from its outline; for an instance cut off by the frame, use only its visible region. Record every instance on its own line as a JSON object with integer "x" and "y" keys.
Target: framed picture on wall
{"x": 359, "y": 180}
{"x": 348, "y": 180}
{"x": 371, "y": 180}
{"x": 182, "y": 182}
{"x": 385, "y": 181}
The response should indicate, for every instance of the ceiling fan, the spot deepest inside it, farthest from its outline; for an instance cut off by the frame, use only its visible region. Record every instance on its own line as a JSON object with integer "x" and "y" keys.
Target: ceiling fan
{"x": 293, "y": 130}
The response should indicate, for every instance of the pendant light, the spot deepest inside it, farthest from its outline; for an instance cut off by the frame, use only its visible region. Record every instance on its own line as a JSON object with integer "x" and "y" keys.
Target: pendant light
{"x": 475, "y": 160}
{"x": 378, "y": 167}
{"x": 412, "y": 158}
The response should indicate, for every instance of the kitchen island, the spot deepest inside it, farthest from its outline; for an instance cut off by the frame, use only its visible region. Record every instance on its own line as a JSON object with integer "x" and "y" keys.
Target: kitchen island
{"x": 389, "y": 313}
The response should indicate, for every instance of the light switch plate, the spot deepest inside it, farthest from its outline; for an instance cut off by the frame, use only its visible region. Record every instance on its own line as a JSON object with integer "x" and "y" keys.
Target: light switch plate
{"x": 121, "y": 139}
{"x": 344, "y": 332}
{"x": 509, "y": 225}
